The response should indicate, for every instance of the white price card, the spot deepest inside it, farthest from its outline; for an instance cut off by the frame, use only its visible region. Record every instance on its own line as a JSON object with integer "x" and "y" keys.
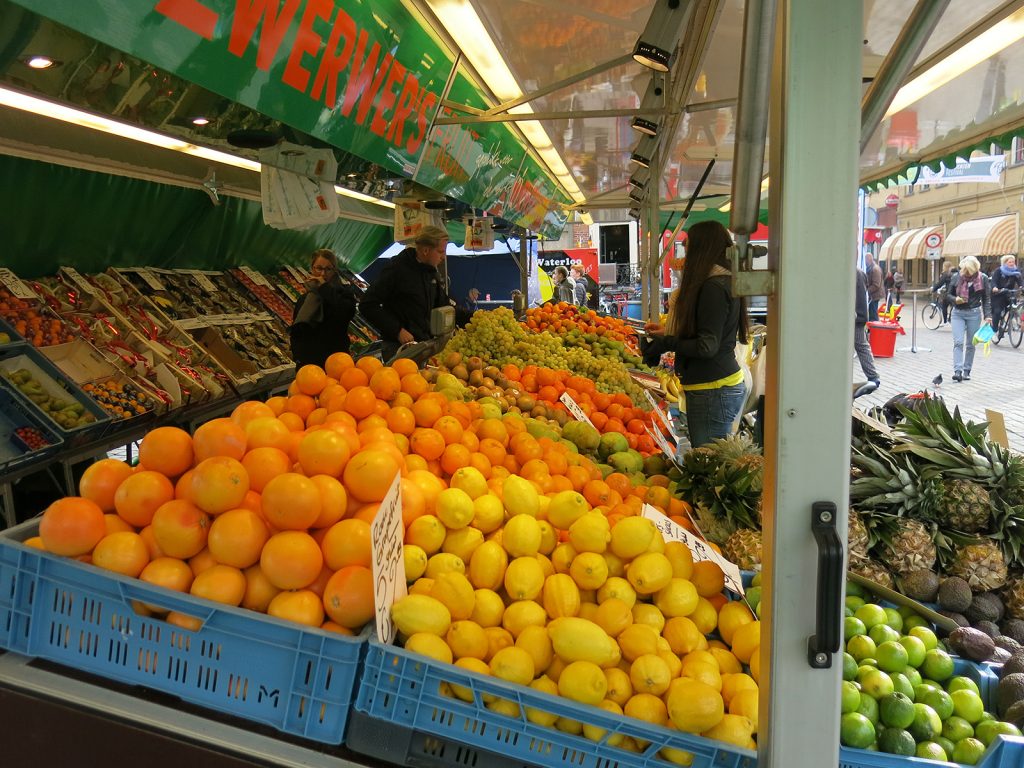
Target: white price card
{"x": 255, "y": 276}
{"x": 386, "y": 535}
{"x": 574, "y": 408}
{"x": 150, "y": 279}
{"x": 662, "y": 416}
{"x": 203, "y": 281}
{"x": 14, "y": 284}
{"x": 84, "y": 285}
{"x": 699, "y": 548}
{"x": 662, "y": 442}
{"x": 295, "y": 273}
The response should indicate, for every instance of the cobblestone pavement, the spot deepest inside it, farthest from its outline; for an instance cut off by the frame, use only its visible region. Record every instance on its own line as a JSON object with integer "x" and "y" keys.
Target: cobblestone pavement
{"x": 996, "y": 381}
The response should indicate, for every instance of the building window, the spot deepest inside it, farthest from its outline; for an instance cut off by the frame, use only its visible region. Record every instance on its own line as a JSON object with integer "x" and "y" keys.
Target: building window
{"x": 1016, "y": 151}
{"x": 923, "y": 187}
{"x": 910, "y": 191}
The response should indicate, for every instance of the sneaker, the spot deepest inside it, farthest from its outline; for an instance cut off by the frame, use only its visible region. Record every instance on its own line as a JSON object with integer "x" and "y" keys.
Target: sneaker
{"x": 958, "y": 376}
{"x": 967, "y": 375}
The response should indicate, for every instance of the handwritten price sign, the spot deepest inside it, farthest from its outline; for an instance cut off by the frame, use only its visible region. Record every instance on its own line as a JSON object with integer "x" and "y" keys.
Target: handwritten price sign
{"x": 386, "y": 535}
{"x": 662, "y": 416}
{"x": 574, "y": 408}
{"x": 13, "y": 283}
{"x": 697, "y": 546}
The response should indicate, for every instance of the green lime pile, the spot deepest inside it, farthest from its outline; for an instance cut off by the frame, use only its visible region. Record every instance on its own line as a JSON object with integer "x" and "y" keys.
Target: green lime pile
{"x": 901, "y": 693}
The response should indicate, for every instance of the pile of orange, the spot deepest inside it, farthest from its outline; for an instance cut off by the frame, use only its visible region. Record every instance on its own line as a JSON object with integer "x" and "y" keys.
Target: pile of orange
{"x": 563, "y": 317}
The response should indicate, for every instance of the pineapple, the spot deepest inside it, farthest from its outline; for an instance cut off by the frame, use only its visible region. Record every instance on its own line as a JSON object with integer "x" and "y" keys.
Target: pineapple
{"x": 1013, "y": 597}
{"x": 981, "y": 564}
{"x": 910, "y": 547}
{"x": 715, "y": 527}
{"x": 744, "y": 548}
{"x": 857, "y": 540}
{"x": 965, "y": 506}
{"x": 874, "y": 571}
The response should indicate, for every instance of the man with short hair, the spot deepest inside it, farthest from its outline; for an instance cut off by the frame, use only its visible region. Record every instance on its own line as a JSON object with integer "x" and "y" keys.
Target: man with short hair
{"x": 577, "y": 273}
{"x": 875, "y": 286}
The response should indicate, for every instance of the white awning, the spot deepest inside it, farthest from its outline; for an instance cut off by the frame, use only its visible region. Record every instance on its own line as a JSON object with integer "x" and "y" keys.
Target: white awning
{"x": 993, "y": 236}
{"x": 891, "y": 248}
{"x": 914, "y": 246}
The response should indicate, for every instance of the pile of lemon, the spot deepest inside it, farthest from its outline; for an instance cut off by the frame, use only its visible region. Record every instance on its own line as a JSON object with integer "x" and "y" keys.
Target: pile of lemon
{"x": 543, "y": 591}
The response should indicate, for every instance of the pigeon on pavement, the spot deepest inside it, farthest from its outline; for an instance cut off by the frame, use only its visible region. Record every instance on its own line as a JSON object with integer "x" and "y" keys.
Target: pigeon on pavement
{"x": 937, "y": 381}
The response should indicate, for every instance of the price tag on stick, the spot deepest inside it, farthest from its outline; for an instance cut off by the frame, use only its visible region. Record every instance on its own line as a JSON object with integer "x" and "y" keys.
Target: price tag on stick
{"x": 574, "y": 408}
{"x": 14, "y": 284}
{"x": 662, "y": 416}
{"x": 255, "y": 276}
{"x": 699, "y": 548}
{"x": 386, "y": 535}
{"x": 150, "y": 279}
{"x": 83, "y": 285}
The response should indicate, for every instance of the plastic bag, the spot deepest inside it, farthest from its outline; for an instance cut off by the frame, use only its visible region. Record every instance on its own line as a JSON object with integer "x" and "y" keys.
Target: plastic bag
{"x": 984, "y": 337}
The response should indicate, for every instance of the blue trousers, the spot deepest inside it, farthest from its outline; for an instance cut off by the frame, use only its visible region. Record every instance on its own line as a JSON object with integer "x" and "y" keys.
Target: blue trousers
{"x": 966, "y": 323}
{"x": 710, "y": 413}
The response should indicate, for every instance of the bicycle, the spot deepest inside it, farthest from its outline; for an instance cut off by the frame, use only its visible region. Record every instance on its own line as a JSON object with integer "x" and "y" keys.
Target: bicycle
{"x": 1011, "y": 324}
{"x": 931, "y": 313}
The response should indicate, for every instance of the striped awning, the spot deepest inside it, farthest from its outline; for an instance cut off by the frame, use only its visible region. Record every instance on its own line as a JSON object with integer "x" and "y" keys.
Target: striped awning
{"x": 993, "y": 236}
{"x": 892, "y": 248}
{"x": 914, "y": 247}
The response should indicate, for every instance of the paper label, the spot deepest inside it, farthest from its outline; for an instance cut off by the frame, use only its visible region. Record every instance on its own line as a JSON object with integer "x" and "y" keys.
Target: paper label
{"x": 662, "y": 442}
{"x": 699, "y": 548}
{"x": 662, "y": 416}
{"x": 574, "y": 408}
{"x": 386, "y": 537}
{"x": 255, "y": 276}
{"x": 150, "y": 279}
{"x": 295, "y": 273}
{"x": 204, "y": 282}
{"x": 84, "y": 285}
{"x": 13, "y": 284}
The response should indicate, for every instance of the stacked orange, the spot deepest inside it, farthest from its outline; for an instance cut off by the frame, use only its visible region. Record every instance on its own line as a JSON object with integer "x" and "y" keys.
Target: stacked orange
{"x": 563, "y": 317}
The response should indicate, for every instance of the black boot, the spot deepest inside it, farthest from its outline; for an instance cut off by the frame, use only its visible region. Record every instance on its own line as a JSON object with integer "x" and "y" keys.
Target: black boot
{"x": 958, "y": 376}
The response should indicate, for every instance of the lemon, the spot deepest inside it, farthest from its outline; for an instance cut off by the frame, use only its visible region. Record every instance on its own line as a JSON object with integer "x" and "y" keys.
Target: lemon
{"x": 732, "y": 729}
{"x": 514, "y": 665}
{"x": 705, "y": 616}
{"x": 520, "y": 497}
{"x": 487, "y": 565}
{"x": 561, "y": 596}
{"x": 422, "y": 586}
{"x": 657, "y": 545}
{"x": 645, "y": 613}
{"x": 734, "y": 683}
{"x": 427, "y": 532}
{"x": 596, "y": 733}
{"x": 455, "y": 592}
{"x": 570, "y": 726}
{"x": 524, "y": 578}
{"x": 497, "y": 638}
{"x": 590, "y": 533}
{"x": 727, "y": 663}
{"x": 554, "y": 670}
{"x": 472, "y": 665}
{"x": 616, "y": 565}
{"x": 467, "y": 638}
{"x": 521, "y": 536}
{"x": 454, "y": 508}
{"x": 617, "y": 587}
{"x": 694, "y": 707}
{"x": 444, "y": 562}
{"x": 682, "y": 635}
{"x": 415, "y": 561}
{"x": 488, "y": 608}
{"x": 631, "y": 537}
{"x": 470, "y": 481}
{"x": 566, "y": 508}
{"x": 589, "y": 570}
{"x": 676, "y": 756}
{"x": 544, "y": 684}
{"x": 583, "y": 681}
{"x": 701, "y": 656}
{"x": 462, "y": 542}
{"x": 646, "y": 707}
{"x": 535, "y": 641}
{"x": 563, "y": 556}
{"x": 504, "y": 707}
{"x": 545, "y": 565}
{"x": 677, "y": 598}
{"x": 588, "y": 611}
{"x": 620, "y": 689}
{"x": 755, "y": 664}
{"x": 703, "y": 672}
{"x": 731, "y": 617}
{"x": 420, "y": 613}
{"x": 542, "y": 510}
{"x": 613, "y": 616}
{"x": 431, "y": 645}
{"x": 649, "y": 573}
{"x": 675, "y": 666}
{"x": 488, "y": 513}
{"x": 548, "y": 537}
{"x": 650, "y": 674}
{"x": 576, "y": 639}
{"x": 745, "y": 702}
{"x": 522, "y": 614}
{"x": 637, "y": 640}
{"x": 745, "y": 641}
{"x": 681, "y": 558}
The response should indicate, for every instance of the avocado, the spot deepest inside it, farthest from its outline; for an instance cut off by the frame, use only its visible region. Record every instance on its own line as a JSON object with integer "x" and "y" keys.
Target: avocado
{"x": 971, "y": 643}
{"x": 990, "y": 628}
{"x": 959, "y": 618}
{"x": 1015, "y": 714}
{"x": 1014, "y": 665}
{"x": 985, "y": 606}
{"x": 1010, "y": 691}
{"x": 921, "y": 585}
{"x": 955, "y": 594}
{"x": 1008, "y": 643}
{"x": 1014, "y": 628}
{"x": 1000, "y": 656}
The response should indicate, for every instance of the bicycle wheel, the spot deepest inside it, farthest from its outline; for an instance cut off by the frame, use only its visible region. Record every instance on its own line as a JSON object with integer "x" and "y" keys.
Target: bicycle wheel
{"x": 1016, "y": 328}
{"x": 1001, "y": 330}
{"x": 931, "y": 316}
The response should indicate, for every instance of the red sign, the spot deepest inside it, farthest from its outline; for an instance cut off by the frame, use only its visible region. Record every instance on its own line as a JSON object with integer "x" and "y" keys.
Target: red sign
{"x": 891, "y": 201}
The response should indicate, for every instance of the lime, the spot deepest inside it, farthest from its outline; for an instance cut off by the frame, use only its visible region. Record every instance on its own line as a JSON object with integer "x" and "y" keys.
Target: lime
{"x": 877, "y": 684}
{"x": 926, "y": 725}
{"x": 901, "y": 684}
{"x": 756, "y": 581}
{"x": 967, "y": 751}
{"x": 871, "y": 614}
{"x": 849, "y": 667}
{"x": 869, "y": 662}
{"x": 855, "y": 590}
{"x": 895, "y": 619}
{"x": 937, "y": 665}
{"x": 850, "y": 697}
{"x": 914, "y": 622}
{"x": 896, "y": 711}
{"x": 892, "y": 657}
{"x": 896, "y": 741}
{"x": 881, "y": 633}
{"x": 931, "y": 750}
{"x": 857, "y": 731}
{"x": 847, "y": 613}
{"x": 986, "y": 715}
{"x": 1005, "y": 729}
{"x": 853, "y": 602}
{"x": 946, "y": 744}
{"x": 940, "y": 701}
{"x": 968, "y": 705}
{"x": 925, "y": 635}
{"x": 921, "y": 688}
{"x": 986, "y": 732}
{"x": 754, "y": 596}
{"x": 913, "y": 676}
{"x": 869, "y": 708}
{"x": 962, "y": 683}
{"x": 915, "y": 649}
{"x": 852, "y": 626}
{"x": 956, "y": 729}
{"x": 861, "y": 647}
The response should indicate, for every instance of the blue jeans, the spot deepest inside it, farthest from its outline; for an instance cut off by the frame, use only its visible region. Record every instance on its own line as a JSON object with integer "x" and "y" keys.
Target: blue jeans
{"x": 710, "y": 413}
{"x": 966, "y": 323}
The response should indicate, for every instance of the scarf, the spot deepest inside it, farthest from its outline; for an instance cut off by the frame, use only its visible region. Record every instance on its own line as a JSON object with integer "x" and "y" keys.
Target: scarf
{"x": 1006, "y": 271}
{"x": 966, "y": 285}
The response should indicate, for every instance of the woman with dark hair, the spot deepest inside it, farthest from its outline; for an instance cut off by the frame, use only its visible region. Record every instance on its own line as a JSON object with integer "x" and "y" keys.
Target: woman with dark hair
{"x": 322, "y": 314}
{"x": 705, "y": 322}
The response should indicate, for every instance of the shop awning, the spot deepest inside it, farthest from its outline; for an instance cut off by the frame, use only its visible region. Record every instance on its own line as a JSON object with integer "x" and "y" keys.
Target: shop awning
{"x": 892, "y": 247}
{"x": 914, "y": 245}
{"x": 994, "y": 236}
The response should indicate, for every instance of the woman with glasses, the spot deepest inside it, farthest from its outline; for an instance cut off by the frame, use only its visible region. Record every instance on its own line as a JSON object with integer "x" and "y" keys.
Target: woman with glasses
{"x": 322, "y": 314}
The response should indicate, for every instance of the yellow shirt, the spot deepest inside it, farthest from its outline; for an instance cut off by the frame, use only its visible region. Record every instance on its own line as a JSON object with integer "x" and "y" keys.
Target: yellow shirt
{"x": 729, "y": 381}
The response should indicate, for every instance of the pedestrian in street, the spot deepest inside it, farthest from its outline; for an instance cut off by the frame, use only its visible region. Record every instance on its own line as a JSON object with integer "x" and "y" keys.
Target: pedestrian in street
{"x": 876, "y": 289}
{"x": 897, "y": 284}
{"x": 1006, "y": 282}
{"x": 941, "y": 286}
{"x": 971, "y": 293}
{"x": 860, "y": 338}
{"x": 564, "y": 287}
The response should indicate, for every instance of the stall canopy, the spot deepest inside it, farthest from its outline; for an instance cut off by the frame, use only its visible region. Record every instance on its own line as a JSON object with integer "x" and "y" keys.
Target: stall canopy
{"x": 892, "y": 248}
{"x": 993, "y": 236}
{"x": 915, "y": 244}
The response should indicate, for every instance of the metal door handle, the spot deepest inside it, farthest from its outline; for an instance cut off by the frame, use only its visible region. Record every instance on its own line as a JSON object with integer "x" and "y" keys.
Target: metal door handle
{"x": 826, "y": 640}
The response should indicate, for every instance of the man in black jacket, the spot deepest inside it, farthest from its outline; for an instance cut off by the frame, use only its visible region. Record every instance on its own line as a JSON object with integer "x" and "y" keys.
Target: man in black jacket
{"x": 860, "y": 339}
{"x": 400, "y": 301}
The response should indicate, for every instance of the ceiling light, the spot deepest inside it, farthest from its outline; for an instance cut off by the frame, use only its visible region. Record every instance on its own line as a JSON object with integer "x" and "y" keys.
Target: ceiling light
{"x": 40, "y": 62}
{"x": 200, "y": 121}
{"x": 634, "y": 212}
{"x": 996, "y": 38}
{"x": 653, "y": 98}
{"x": 636, "y": 195}
{"x": 637, "y": 159}
{"x": 657, "y": 45}
{"x": 638, "y": 183}
{"x": 55, "y": 111}
{"x": 644, "y": 125}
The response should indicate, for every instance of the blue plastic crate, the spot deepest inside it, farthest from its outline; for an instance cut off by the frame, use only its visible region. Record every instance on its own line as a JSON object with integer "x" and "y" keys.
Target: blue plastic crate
{"x": 16, "y": 338}
{"x": 408, "y": 691}
{"x": 15, "y": 453}
{"x": 296, "y": 679}
{"x": 1004, "y": 752}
